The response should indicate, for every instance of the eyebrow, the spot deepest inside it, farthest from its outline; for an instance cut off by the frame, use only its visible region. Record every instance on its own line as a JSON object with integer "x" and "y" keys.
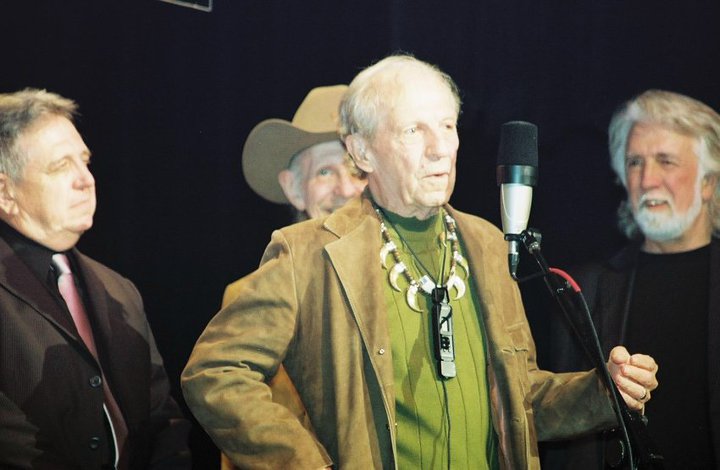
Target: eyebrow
{"x": 86, "y": 154}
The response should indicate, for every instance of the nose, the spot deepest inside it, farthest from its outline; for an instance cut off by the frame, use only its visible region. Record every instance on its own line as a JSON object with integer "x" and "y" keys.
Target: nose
{"x": 347, "y": 185}
{"x": 85, "y": 178}
{"x": 650, "y": 175}
{"x": 440, "y": 143}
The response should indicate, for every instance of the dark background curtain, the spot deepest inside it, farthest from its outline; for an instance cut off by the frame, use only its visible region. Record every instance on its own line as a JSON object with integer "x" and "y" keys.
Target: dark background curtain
{"x": 168, "y": 95}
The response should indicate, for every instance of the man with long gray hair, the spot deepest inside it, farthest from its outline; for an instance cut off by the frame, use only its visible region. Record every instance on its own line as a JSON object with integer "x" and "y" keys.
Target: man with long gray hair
{"x": 661, "y": 293}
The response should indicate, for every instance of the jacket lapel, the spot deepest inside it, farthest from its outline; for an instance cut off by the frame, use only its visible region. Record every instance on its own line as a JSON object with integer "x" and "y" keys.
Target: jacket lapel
{"x": 355, "y": 256}
{"x": 100, "y": 303}
{"x": 613, "y": 298}
{"x": 112, "y": 332}
{"x": 475, "y": 251}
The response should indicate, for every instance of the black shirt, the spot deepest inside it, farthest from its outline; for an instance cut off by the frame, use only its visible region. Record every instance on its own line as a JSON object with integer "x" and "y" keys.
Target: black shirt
{"x": 39, "y": 259}
{"x": 669, "y": 320}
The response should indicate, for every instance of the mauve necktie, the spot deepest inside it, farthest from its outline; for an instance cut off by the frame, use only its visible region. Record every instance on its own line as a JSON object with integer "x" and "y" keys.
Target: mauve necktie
{"x": 69, "y": 292}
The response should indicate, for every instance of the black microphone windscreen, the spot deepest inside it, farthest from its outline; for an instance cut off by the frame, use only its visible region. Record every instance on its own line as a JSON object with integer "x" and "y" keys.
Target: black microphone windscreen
{"x": 518, "y": 144}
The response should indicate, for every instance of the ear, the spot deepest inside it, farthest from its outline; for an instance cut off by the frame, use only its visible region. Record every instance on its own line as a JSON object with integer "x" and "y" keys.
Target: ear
{"x": 709, "y": 186}
{"x": 357, "y": 148}
{"x": 7, "y": 196}
{"x": 286, "y": 178}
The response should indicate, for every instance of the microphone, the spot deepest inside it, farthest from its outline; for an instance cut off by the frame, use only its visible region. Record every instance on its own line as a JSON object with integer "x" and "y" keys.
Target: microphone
{"x": 517, "y": 173}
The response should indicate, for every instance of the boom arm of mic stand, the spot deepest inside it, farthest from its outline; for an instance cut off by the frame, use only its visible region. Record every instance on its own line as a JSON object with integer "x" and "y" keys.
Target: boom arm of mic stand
{"x": 640, "y": 452}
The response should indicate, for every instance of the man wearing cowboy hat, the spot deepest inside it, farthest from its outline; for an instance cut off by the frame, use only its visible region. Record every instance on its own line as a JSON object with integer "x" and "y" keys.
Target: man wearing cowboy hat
{"x": 303, "y": 163}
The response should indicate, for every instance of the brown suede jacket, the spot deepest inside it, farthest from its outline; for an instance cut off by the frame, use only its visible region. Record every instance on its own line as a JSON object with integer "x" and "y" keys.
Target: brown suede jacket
{"x": 316, "y": 305}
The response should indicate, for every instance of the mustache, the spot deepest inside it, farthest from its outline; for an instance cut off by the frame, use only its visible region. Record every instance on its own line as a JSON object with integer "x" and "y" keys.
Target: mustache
{"x": 652, "y": 198}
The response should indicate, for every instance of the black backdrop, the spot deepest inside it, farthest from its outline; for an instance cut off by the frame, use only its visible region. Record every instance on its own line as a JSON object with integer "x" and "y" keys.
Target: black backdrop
{"x": 168, "y": 95}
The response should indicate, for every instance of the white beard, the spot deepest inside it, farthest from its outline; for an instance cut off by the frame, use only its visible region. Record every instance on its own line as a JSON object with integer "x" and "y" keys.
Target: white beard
{"x": 664, "y": 227}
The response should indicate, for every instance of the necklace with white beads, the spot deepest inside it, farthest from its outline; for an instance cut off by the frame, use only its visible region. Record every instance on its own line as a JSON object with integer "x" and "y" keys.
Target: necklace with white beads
{"x": 425, "y": 284}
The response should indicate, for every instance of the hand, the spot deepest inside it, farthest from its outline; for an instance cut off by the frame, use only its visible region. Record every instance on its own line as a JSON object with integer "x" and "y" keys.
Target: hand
{"x": 633, "y": 375}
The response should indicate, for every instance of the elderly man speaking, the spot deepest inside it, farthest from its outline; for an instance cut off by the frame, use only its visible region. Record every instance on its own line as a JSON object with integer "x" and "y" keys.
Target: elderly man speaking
{"x": 394, "y": 317}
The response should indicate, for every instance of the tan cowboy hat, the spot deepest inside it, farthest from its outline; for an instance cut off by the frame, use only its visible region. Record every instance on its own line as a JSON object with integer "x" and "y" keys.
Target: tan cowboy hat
{"x": 272, "y": 143}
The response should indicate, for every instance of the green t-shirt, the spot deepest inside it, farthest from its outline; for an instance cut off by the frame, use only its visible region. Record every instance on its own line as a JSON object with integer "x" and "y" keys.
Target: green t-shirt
{"x": 428, "y": 407}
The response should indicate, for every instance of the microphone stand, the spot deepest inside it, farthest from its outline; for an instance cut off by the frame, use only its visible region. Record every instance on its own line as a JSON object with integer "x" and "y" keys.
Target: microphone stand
{"x": 636, "y": 450}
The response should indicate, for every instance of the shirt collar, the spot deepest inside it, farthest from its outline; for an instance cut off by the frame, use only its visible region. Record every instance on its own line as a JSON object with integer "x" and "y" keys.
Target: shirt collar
{"x": 36, "y": 256}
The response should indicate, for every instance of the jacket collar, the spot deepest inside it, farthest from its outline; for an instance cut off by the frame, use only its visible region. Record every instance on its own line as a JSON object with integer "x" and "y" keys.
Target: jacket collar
{"x": 355, "y": 256}
{"x": 17, "y": 278}
{"x": 626, "y": 258}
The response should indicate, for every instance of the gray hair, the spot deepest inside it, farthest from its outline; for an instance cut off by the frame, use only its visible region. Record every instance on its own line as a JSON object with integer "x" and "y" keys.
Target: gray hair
{"x": 680, "y": 114}
{"x": 19, "y": 111}
{"x": 370, "y": 93}
{"x": 295, "y": 167}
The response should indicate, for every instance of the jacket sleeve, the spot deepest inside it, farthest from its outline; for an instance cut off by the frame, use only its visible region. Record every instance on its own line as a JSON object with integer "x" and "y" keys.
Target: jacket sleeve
{"x": 169, "y": 428}
{"x": 556, "y": 405}
{"x": 564, "y": 404}
{"x": 224, "y": 382}
{"x": 164, "y": 437}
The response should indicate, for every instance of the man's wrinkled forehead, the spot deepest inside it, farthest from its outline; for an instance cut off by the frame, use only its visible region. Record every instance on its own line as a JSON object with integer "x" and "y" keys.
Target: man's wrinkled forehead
{"x": 330, "y": 151}
{"x": 673, "y": 133}
{"x": 413, "y": 87}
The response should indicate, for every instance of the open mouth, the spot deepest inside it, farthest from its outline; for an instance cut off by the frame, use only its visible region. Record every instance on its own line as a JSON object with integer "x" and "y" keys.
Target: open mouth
{"x": 654, "y": 202}
{"x": 651, "y": 202}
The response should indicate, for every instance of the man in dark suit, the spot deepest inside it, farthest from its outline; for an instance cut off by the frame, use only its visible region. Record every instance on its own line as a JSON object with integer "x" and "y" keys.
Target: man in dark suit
{"x": 82, "y": 384}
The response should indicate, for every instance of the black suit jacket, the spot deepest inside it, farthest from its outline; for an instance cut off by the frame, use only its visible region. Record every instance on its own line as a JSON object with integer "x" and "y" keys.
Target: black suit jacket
{"x": 607, "y": 288}
{"x": 50, "y": 397}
